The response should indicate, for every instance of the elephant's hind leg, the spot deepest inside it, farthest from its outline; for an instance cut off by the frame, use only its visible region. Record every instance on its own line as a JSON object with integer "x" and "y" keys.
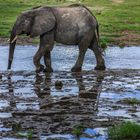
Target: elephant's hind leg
{"x": 36, "y": 59}
{"x": 83, "y": 46}
{"x": 98, "y": 54}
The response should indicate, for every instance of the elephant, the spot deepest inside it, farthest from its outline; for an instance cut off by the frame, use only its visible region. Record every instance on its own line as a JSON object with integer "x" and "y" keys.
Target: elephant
{"x": 70, "y": 25}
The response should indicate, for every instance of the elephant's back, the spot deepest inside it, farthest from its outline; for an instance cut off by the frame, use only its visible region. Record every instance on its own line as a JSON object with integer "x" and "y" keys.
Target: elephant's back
{"x": 72, "y": 23}
{"x": 75, "y": 13}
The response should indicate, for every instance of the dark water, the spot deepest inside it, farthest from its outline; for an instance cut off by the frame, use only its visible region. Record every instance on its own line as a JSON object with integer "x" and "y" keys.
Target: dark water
{"x": 64, "y": 57}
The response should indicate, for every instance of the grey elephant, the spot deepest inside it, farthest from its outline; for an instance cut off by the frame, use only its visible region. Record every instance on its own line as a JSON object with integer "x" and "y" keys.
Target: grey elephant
{"x": 71, "y": 25}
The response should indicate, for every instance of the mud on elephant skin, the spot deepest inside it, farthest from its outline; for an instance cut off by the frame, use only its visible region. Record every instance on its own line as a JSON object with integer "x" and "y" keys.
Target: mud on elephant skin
{"x": 71, "y": 25}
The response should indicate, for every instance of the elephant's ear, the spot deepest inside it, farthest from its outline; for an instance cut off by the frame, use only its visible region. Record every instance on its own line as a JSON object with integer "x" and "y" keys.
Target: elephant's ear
{"x": 44, "y": 21}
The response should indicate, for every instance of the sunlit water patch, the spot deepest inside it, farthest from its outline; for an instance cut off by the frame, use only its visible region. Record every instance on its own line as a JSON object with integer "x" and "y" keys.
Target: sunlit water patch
{"x": 5, "y": 115}
{"x": 114, "y": 113}
{"x": 4, "y": 104}
{"x": 3, "y": 129}
{"x": 119, "y": 96}
{"x": 28, "y": 106}
{"x": 25, "y": 92}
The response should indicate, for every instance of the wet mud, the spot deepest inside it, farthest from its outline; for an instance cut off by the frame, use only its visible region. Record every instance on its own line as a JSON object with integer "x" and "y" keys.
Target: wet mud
{"x": 93, "y": 99}
{"x": 52, "y": 106}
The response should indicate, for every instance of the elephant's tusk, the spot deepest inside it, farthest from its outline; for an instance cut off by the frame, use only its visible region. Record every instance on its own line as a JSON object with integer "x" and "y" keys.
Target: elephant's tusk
{"x": 8, "y": 40}
{"x": 15, "y": 38}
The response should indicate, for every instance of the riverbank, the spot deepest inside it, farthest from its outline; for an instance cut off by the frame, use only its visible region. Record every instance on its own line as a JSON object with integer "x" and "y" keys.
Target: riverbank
{"x": 119, "y": 24}
{"x": 126, "y": 39}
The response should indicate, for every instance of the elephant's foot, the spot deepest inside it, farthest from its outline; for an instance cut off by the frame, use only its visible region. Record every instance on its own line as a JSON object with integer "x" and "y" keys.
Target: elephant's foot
{"x": 76, "y": 69}
{"x": 40, "y": 68}
{"x": 101, "y": 67}
{"x": 48, "y": 70}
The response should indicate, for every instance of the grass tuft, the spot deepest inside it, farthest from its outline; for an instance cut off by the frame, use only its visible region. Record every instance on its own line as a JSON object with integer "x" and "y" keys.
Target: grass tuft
{"x": 28, "y": 134}
{"x": 78, "y": 130}
{"x": 125, "y": 131}
{"x": 131, "y": 101}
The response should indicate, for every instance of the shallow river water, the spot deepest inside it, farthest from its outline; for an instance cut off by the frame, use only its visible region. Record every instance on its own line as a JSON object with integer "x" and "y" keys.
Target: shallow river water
{"x": 31, "y": 104}
{"x": 64, "y": 57}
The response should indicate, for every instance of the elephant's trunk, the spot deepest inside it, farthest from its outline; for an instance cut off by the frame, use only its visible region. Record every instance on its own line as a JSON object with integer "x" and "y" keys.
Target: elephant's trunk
{"x": 12, "y": 44}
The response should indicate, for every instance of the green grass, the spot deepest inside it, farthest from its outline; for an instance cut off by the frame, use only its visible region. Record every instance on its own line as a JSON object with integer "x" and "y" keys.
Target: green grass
{"x": 114, "y": 18}
{"x": 125, "y": 131}
{"x": 28, "y": 134}
{"x": 78, "y": 130}
{"x": 132, "y": 101}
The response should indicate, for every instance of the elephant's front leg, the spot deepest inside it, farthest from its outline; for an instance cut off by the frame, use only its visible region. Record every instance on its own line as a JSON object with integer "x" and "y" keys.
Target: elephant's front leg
{"x": 37, "y": 57}
{"x": 46, "y": 45}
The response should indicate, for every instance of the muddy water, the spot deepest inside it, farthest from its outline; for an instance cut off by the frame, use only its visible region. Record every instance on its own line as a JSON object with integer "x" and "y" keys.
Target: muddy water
{"x": 30, "y": 103}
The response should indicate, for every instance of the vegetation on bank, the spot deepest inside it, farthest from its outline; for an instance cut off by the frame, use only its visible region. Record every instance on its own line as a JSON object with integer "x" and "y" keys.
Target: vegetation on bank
{"x": 125, "y": 131}
{"x": 131, "y": 101}
{"x": 119, "y": 19}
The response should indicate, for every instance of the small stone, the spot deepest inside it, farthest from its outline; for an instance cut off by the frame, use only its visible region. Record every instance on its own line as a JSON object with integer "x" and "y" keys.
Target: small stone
{"x": 58, "y": 84}
{"x": 11, "y": 90}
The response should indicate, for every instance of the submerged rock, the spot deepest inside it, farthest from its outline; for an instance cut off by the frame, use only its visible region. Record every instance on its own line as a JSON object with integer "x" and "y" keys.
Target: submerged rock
{"x": 58, "y": 84}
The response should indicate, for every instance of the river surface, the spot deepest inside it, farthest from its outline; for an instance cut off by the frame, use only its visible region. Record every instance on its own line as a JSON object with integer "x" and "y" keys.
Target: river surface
{"x": 31, "y": 104}
{"x": 64, "y": 57}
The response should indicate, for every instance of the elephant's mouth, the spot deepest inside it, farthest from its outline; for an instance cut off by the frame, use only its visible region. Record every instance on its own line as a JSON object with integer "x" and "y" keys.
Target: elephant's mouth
{"x": 23, "y": 32}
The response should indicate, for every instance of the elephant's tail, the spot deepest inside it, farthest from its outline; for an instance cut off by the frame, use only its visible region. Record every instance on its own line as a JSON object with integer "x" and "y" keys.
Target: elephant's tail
{"x": 98, "y": 39}
{"x": 97, "y": 34}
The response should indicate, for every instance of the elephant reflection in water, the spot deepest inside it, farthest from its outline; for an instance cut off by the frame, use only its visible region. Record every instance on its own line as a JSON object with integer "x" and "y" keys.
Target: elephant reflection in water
{"x": 62, "y": 114}
{"x": 42, "y": 86}
{"x": 94, "y": 92}
{"x": 67, "y": 111}
{"x": 10, "y": 84}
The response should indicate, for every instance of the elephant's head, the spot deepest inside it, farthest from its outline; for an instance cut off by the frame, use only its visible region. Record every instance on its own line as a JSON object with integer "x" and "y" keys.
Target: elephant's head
{"x": 34, "y": 23}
